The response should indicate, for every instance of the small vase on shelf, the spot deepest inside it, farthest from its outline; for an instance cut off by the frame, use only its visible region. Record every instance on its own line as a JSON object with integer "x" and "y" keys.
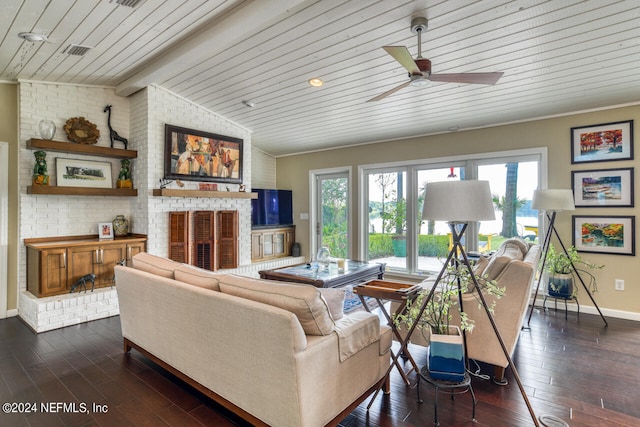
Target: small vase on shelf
{"x": 47, "y": 129}
{"x": 120, "y": 226}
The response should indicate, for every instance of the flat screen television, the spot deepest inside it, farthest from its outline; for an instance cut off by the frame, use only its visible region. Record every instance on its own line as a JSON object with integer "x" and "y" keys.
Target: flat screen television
{"x": 272, "y": 207}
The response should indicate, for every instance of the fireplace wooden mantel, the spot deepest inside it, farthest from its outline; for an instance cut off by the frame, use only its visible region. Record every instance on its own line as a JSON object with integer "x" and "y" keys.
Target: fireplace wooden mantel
{"x": 170, "y": 192}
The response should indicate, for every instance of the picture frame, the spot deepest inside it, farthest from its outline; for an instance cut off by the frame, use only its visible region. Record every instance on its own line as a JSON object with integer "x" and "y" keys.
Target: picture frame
{"x": 604, "y": 142}
{"x": 83, "y": 173}
{"x": 604, "y": 234}
{"x": 193, "y": 155}
{"x": 105, "y": 231}
{"x": 603, "y": 187}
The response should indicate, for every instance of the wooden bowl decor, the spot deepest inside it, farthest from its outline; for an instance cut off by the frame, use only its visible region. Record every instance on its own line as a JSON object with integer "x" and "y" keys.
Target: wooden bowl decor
{"x": 81, "y": 131}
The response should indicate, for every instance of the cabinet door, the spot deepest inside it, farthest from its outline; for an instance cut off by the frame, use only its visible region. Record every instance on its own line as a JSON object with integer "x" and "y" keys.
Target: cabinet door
{"x": 278, "y": 243}
{"x": 267, "y": 244}
{"x": 179, "y": 236}
{"x": 289, "y": 239}
{"x": 227, "y": 239}
{"x": 109, "y": 256}
{"x": 203, "y": 245}
{"x": 81, "y": 262}
{"x": 133, "y": 249}
{"x": 256, "y": 246}
{"x": 53, "y": 271}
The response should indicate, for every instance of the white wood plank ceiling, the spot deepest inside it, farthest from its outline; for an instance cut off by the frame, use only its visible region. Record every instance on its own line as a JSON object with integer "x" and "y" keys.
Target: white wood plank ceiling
{"x": 558, "y": 56}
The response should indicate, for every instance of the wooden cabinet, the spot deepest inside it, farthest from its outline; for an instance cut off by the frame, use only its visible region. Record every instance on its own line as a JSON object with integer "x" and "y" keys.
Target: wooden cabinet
{"x": 206, "y": 239}
{"x": 268, "y": 243}
{"x": 55, "y": 264}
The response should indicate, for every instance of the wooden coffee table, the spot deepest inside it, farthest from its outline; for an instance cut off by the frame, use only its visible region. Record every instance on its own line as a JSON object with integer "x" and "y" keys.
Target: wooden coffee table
{"x": 354, "y": 272}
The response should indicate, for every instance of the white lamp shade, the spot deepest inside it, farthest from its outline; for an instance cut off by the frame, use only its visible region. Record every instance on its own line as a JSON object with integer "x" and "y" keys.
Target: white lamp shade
{"x": 458, "y": 201}
{"x": 553, "y": 200}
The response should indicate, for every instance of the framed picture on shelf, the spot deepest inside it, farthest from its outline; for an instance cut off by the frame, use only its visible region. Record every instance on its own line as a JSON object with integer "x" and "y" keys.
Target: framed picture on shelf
{"x": 193, "y": 155}
{"x": 602, "y": 143}
{"x": 105, "y": 231}
{"x": 604, "y": 234}
{"x": 603, "y": 187}
{"x": 83, "y": 173}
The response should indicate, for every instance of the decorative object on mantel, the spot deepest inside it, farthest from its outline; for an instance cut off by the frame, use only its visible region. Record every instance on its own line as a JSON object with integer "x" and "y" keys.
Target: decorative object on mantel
{"x": 242, "y": 188}
{"x": 164, "y": 183}
{"x": 124, "y": 177}
{"x": 113, "y": 135}
{"x": 47, "y": 129}
{"x": 120, "y": 226}
{"x": 203, "y": 186}
{"x": 40, "y": 176}
{"x": 81, "y": 131}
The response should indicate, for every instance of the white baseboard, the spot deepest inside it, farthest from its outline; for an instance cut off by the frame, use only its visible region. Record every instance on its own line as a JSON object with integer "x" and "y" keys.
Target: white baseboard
{"x": 606, "y": 312}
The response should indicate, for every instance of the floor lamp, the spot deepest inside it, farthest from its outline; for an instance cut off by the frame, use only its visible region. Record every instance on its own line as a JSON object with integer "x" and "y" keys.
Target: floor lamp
{"x": 552, "y": 202}
{"x": 459, "y": 203}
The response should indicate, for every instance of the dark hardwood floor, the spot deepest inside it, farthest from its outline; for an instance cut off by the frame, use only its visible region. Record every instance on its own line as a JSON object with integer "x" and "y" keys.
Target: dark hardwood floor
{"x": 575, "y": 369}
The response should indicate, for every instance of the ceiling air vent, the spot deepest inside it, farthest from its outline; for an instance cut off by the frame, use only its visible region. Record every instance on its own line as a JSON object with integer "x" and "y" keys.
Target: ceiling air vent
{"x": 129, "y": 3}
{"x": 76, "y": 49}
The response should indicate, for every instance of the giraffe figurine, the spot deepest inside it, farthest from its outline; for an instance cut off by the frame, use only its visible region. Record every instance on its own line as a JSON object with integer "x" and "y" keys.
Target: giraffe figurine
{"x": 113, "y": 135}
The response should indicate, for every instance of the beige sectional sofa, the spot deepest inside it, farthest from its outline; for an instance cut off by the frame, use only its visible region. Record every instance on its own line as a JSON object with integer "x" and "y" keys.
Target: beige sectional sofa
{"x": 275, "y": 353}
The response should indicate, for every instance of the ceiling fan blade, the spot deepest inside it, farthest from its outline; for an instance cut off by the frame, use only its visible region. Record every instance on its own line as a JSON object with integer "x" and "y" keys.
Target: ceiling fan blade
{"x": 477, "y": 78}
{"x": 389, "y": 92}
{"x": 402, "y": 55}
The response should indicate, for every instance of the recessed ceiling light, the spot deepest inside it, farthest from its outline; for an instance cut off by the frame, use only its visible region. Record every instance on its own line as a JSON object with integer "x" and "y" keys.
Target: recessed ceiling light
{"x": 33, "y": 37}
{"x": 316, "y": 82}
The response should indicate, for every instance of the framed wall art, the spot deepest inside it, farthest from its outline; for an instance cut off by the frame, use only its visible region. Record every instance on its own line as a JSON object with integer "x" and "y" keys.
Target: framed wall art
{"x": 602, "y": 143}
{"x": 603, "y": 187}
{"x": 83, "y": 173}
{"x": 604, "y": 234}
{"x": 194, "y": 155}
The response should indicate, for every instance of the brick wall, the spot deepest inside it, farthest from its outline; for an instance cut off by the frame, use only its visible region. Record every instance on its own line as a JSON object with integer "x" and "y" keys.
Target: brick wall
{"x": 141, "y": 119}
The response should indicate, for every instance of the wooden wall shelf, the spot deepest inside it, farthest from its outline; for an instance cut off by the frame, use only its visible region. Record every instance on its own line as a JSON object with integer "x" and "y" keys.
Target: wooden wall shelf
{"x": 168, "y": 192}
{"x": 81, "y": 191}
{"x": 87, "y": 149}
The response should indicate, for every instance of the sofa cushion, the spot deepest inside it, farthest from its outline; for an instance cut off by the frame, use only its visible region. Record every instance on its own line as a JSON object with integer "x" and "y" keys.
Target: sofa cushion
{"x": 335, "y": 301}
{"x": 508, "y": 251}
{"x": 198, "y": 277}
{"x": 155, "y": 265}
{"x": 304, "y": 301}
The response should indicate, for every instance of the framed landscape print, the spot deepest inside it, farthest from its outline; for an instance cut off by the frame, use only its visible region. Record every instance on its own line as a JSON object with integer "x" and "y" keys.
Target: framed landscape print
{"x": 603, "y": 187}
{"x": 194, "y": 155}
{"x": 602, "y": 143}
{"x": 83, "y": 173}
{"x": 604, "y": 234}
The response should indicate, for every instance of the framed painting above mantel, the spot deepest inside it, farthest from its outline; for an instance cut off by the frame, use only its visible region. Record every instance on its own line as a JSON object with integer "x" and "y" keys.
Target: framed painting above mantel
{"x": 193, "y": 155}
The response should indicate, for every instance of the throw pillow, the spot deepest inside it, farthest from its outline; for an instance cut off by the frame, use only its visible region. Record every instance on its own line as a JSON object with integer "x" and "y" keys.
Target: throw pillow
{"x": 198, "y": 277}
{"x": 335, "y": 301}
{"x": 507, "y": 252}
{"x": 154, "y": 264}
{"x": 304, "y": 301}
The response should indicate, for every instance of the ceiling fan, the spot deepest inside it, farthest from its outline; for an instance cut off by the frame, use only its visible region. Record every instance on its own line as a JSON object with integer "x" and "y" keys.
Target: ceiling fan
{"x": 420, "y": 68}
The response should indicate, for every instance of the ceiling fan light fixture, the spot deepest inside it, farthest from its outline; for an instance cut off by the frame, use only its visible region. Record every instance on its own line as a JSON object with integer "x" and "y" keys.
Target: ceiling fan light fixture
{"x": 418, "y": 80}
{"x": 33, "y": 37}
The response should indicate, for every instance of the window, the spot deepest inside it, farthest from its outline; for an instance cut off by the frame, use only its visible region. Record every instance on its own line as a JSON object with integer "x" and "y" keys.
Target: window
{"x": 392, "y": 197}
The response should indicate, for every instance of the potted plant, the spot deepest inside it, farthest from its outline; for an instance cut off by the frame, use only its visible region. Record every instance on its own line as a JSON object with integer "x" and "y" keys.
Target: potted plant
{"x": 446, "y": 346}
{"x": 561, "y": 268}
